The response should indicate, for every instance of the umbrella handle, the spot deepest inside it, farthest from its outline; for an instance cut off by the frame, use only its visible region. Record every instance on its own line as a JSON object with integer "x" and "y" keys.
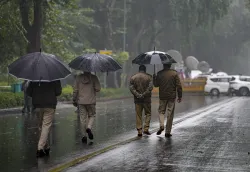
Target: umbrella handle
{"x": 154, "y": 69}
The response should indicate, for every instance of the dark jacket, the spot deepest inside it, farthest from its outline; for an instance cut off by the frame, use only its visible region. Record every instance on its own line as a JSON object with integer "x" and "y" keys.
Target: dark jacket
{"x": 141, "y": 83}
{"x": 44, "y": 94}
{"x": 168, "y": 82}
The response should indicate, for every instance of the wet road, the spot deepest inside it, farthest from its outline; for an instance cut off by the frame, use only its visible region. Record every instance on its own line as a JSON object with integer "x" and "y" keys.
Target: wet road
{"x": 115, "y": 122}
{"x": 215, "y": 139}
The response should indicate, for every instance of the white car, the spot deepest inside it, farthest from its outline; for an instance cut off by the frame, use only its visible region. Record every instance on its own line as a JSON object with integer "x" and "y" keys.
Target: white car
{"x": 216, "y": 85}
{"x": 240, "y": 85}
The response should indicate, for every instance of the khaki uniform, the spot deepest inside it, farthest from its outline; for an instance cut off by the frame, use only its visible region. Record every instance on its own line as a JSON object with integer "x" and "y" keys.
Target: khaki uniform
{"x": 169, "y": 83}
{"x": 141, "y": 85}
{"x": 87, "y": 117}
{"x": 84, "y": 94}
{"x": 45, "y": 118}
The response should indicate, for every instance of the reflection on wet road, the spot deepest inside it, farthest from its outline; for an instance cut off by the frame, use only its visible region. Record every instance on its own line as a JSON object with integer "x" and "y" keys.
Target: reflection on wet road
{"x": 18, "y": 134}
{"x": 215, "y": 140}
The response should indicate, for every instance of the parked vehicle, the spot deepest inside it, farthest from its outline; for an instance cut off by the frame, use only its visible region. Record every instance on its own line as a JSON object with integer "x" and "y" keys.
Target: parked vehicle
{"x": 216, "y": 85}
{"x": 240, "y": 85}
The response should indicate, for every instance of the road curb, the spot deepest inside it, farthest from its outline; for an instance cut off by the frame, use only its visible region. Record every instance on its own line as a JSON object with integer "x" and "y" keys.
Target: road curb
{"x": 79, "y": 160}
{"x": 84, "y": 158}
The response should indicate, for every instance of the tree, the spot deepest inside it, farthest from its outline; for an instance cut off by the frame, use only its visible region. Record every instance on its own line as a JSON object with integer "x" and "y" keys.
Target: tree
{"x": 31, "y": 13}
{"x": 12, "y": 39}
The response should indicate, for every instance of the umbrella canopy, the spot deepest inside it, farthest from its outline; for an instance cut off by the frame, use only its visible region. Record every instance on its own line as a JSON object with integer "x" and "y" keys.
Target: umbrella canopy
{"x": 154, "y": 57}
{"x": 39, "y": 66}
{"x": 95, "y": 62}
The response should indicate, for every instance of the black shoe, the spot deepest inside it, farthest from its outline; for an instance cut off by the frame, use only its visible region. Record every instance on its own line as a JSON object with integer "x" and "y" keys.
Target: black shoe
{"x": 47, "y": 151}
{"x": 84, "y": 139}
{"x": 40, "y": 153}
{"x": 168, "y": 135}
{"x": 159, "y": 131}
{"x": 91, "y": 136}
{"x": 139, "y": 135}
{"x": 147, "y": 132}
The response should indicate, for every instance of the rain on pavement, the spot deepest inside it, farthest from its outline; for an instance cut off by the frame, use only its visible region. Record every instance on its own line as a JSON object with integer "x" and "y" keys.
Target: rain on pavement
{"x": 115, "y": 122}
{"x": 216, "y": 139}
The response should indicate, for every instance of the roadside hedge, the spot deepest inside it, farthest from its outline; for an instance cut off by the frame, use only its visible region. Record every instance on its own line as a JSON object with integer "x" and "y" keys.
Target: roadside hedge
{"x": 5, "y": 89}
{"x": 10, "y": 100}
{"x": 105, "y": 92}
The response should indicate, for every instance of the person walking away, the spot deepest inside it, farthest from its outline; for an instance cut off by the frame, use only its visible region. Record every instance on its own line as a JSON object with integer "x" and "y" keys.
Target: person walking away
{"x": 84, "y": 96}
{"x": 27, "y": 100}
{"x": 169, "y": 83}
{"x": 44, "y": 99}
{"x": 141, "y": 86}
{"x": 77, "y": 107}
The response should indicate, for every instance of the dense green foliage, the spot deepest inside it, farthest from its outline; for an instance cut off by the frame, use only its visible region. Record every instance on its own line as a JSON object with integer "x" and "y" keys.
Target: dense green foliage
{"x": 211, "y": 30}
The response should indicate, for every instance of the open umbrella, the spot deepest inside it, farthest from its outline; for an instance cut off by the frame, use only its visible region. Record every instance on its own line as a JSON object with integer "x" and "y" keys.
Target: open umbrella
{"x": 154, "y": 58}
{"x": 39, "y": 66}
{"x": 95, "y": 62}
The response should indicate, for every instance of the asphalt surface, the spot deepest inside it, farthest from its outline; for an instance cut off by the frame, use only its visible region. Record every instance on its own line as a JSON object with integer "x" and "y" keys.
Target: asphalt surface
{"x": 115, "y": 122}
{"x": 213, "y": 139}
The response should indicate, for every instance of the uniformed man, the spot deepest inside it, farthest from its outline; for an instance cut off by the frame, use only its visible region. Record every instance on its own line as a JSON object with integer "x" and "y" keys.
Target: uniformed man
{"x": 169, "y": 83}
{"x": 84, "y": 96}
{"x": 141, "y": 86}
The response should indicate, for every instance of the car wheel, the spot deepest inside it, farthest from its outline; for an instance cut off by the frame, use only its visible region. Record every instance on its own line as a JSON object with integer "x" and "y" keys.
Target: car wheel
{"x": 215, "y": 92}
{"x": 244, "y": 91}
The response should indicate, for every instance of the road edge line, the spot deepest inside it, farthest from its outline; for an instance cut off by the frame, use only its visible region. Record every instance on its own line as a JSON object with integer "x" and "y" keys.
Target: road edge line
{"x": 84, "y": 158}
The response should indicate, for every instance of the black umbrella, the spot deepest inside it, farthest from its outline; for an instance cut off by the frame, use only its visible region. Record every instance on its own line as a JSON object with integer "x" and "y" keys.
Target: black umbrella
{"x": 39, "y": 66}
{"x": 154, "y": 57}
{"x": 95, "y": 62}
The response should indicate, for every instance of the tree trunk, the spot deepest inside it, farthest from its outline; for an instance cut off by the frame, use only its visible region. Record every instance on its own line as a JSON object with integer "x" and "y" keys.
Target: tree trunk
{"x": 34, "y": 30}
